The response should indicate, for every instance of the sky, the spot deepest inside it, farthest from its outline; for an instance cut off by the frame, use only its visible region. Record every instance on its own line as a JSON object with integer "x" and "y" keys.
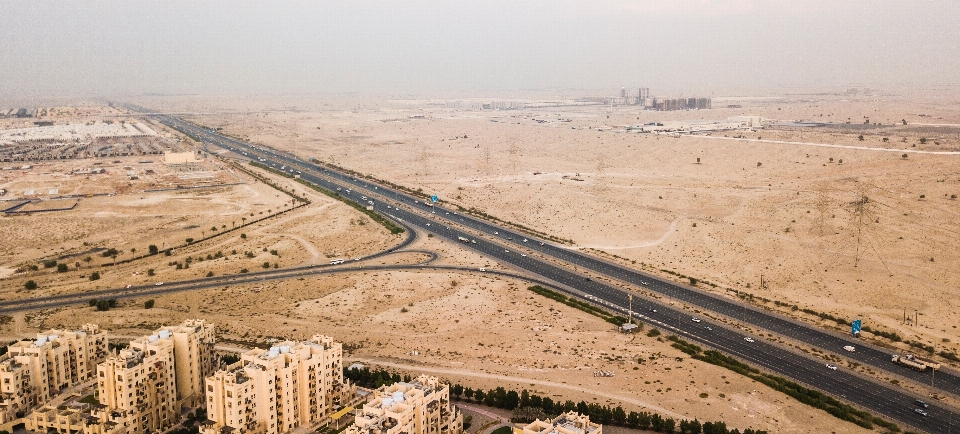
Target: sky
{"x": 114, "y": 48}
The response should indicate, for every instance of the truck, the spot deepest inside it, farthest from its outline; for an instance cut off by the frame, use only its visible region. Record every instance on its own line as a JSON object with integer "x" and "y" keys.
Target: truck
{"x": 911, "y": 361}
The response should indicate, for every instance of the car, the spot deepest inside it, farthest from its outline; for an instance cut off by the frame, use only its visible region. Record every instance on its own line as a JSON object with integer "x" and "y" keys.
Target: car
{"x": 695, "y": 319}
{"x": 920, "y": 403}
{"x": 510, "y": 238}
{"x": 428, "y": 224}
{"x": 159, "y": 283}
{"x": 653, "y": 310}
{"x": 589, "y": 279}
{"x": 921, "y": 412}
{"x": 749, "y": 339}
{"x": 506, "y": 251}
{"x": 829, "y": 366}
{"x": 709, "y": 329}
{"x": 523, "y": 254}
{"x": 496, "y": 233}
{"x": 483, "y": 269}
{"x": 127, "y": 287}
{"x": 524, "y": 240}
{"x": 541, "y": 244}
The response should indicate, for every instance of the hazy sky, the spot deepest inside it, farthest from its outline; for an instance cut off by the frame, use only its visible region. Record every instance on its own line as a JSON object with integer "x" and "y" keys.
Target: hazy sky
{"x": 112, "y": 48}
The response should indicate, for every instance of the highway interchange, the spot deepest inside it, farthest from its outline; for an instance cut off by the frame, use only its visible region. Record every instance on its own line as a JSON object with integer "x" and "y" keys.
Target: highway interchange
{"x": 579, "y": 275}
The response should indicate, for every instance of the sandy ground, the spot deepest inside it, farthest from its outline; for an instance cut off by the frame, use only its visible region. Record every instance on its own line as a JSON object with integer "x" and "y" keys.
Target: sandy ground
{"x": 773, "y": 203}
{"x": 643, "y": 198}
{"x": 473, "y": 329}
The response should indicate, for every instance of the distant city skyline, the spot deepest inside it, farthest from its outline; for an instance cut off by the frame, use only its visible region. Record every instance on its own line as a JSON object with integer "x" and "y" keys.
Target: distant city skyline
{"x": 64, "y": 49}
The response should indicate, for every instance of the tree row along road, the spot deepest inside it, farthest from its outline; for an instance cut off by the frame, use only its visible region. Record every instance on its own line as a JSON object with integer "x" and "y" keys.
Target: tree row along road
{"x": 507, "y": 246}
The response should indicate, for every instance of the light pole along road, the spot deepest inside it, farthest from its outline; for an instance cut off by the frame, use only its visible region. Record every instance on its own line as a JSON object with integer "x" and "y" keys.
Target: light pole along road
{"x": 511, "y": 247}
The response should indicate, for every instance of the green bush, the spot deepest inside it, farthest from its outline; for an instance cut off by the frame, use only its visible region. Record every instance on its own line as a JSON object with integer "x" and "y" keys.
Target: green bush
{"x": 30, "y": 285}
{"x": 95, "y": 275}
{"x": 148, "y": 304}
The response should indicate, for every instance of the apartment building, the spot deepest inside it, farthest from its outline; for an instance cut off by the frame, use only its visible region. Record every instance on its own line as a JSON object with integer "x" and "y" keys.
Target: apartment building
{"x": 421, "y": 406}
{"x": 195, "y": 358}
{"x": 273, "y": 391}
{"x": 141, "y": 383}
{"x": 35, "y": 370}
{"x": 567, "y": 423}
{"x": 142, "y": 388}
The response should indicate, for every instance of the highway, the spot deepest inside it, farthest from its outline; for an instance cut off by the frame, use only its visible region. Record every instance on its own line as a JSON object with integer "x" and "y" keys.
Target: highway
{"x": 526, "y": 253}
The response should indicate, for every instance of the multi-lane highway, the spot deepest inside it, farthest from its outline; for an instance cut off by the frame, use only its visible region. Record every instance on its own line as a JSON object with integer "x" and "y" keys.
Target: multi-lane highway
{"x": 579, "y": 276}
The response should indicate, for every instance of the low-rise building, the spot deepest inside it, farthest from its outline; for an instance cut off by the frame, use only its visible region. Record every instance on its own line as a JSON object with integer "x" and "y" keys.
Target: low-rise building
{"x": 421, "y": 406}
{"x": 567, "y": 423}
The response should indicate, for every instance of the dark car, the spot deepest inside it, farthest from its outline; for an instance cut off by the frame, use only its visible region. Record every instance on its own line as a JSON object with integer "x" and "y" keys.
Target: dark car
{"x": 921, "y": 403}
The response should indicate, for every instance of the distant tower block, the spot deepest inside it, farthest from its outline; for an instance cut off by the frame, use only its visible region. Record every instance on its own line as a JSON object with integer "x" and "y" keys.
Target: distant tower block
{"x": 623, "y": 92}
{"x": 642, "y": 94}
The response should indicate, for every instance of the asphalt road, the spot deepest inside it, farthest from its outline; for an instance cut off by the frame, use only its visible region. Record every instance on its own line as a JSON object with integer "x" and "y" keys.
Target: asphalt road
{"x": 523, "y": 251}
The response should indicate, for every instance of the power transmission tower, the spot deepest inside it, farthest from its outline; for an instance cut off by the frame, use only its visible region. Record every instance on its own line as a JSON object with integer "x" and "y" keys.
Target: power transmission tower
{"x": 513, "y": 152}
{"x": 822, "y": 206}
{"x": 424, "y": 159}
{"x": 487, "y": 166}
{"x": 601, "y": 176}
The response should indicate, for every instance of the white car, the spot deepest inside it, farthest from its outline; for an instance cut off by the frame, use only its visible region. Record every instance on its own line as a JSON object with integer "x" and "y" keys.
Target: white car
{"x": 749, "y": 339}
{"x": 428, "y": 224}
{"x": 829, "y": 366}
{"x": 523, "y": 254}
{"x": 159, "y": 283}
{"x": 524, "y": 240}
{"x": 695, "y": 319}
{"x": 483, "y": 269}
{"x": 506, "y": 251}
{"x": 496, "y": 233}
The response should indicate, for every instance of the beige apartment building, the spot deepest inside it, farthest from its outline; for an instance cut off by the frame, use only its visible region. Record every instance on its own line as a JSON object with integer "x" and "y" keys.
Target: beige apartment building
{"x": 567, "y": 423}
{"x": 141, "y": 384}
{"x": 142, "y": 388}
{"x": 421, "y": 406}
{"x": 35, "y": 370}
{"x": 195, "y": 357}
{"x": 273, "y": 391}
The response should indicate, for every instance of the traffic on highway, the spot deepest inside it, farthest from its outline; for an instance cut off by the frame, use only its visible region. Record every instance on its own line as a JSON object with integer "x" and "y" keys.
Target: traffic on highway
{"x": 602, "y": 283}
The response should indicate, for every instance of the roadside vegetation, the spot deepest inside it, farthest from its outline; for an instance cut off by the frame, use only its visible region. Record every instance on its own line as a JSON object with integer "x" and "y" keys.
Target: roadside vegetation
{"x": 526, "y": 407}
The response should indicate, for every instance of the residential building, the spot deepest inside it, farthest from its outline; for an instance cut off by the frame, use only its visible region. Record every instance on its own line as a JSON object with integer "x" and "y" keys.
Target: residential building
{"x": 141, "y": 382}
{"x": 273, "y": 391}
{"x": 35, "y": 370}
{"x": 567, "y": 423}
{"x": 421, "y": 406}
{"x": 142, "y": 388}
{"x": 195, "y": 358}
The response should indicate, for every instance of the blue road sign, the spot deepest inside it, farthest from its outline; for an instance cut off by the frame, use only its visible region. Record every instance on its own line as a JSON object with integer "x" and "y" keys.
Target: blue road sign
{"x": 434, "y": 198}
{"x": 855, "y": 327}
